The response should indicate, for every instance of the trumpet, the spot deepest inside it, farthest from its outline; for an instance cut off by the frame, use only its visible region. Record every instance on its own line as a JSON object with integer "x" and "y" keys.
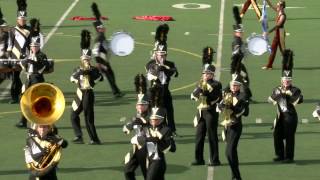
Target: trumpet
{"x": 226, "y": 111}
{"x": 203, "y": 99}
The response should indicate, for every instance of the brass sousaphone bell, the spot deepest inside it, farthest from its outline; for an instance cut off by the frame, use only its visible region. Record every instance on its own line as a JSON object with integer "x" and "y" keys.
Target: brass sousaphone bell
{"x": 43, "y": 104}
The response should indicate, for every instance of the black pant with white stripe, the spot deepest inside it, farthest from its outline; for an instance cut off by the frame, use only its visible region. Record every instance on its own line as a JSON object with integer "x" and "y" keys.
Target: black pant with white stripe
{"x": 86, "y": 105}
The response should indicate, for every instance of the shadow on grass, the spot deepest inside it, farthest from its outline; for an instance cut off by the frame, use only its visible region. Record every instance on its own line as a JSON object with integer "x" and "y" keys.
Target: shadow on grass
{"x": 13, "y": 172}
{"x": 171, "y": 169}
{"x": 299, "y": 162}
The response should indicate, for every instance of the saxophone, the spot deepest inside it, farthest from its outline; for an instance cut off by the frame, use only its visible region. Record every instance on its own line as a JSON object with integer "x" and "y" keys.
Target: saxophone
{"x": 203, "y": 99}
{"x": 226, "y": 111}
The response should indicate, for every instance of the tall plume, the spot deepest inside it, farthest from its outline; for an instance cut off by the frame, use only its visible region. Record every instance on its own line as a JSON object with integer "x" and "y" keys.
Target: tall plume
{"x": 85, "y": 39}
{"x": 140, "y": 83}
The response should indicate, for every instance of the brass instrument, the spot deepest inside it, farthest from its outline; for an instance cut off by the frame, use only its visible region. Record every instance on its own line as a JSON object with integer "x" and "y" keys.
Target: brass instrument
{"x": 43, "y": 104}
{"x": 226, "y": 111}
{"x": 203, "y": 99}
{"x": 85, "y": 80}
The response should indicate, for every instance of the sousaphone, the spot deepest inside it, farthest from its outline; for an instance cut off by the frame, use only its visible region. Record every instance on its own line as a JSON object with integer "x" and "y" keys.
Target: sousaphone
{"x": 43, "y": 104}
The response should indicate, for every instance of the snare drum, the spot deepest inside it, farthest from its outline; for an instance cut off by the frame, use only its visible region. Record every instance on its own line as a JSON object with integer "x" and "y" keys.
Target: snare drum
{"x": 257, "y": 45}
{"x": 121, "y": 43}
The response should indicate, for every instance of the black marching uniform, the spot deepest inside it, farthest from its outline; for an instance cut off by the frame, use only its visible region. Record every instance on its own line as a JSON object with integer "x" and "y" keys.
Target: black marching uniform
{"x": 286, "y": 121}
{"x": 137, "y": 157}
{"x": 34, "y": 67}
{"x": 4, "y": 36}
{"x": 206, "y": 120}
{"x": 102, "y": 53}
{"x": 36, "y": 149}
{"x": 18, "y": 48}
{"x": 237, "y": 66}
{"x": 160, "y": 76}
{"x": 84, "y": 101}
{"x": 157, "y": 141}
{"x": 85, "y": 76}
{"x": 233, "y": 129}
{"x": 285, "y": 124}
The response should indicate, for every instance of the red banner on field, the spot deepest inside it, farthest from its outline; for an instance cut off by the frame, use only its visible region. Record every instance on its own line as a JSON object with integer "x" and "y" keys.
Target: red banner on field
{"x": 82, "y": 18}
{"x": 154, "y": 18}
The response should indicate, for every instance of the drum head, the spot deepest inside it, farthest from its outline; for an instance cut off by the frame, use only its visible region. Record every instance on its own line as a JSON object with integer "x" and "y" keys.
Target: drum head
{"x": 257, "y": 45}
{"x": 121, "y": 44}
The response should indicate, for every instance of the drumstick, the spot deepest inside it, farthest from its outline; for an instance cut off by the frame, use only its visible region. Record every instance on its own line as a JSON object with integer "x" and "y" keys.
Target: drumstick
{"x": 256, "y": 8}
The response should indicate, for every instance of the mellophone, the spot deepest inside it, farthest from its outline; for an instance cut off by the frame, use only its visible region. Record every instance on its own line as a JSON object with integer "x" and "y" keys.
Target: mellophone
{"x": 9, "y": 65}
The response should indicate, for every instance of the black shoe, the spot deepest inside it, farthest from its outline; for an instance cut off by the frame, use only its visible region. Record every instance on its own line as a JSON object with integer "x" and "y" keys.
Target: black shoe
{"x": 78, "y": 140}
{"x": 94, "y": 142}
{"x": 217, "y": 163}
{"x": 197, "y": 163}
{"x": 21, "y": 125}
{"x": 119, "y": 95}
{"x": 173, "y": 147}
{"x": 288, "y": 161}
{"x": 277, "y": 159}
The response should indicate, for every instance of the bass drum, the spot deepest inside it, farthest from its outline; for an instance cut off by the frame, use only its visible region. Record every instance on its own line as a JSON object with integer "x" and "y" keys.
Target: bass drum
{"x": 257, "y": 45}
{"x": 121, "y": 43}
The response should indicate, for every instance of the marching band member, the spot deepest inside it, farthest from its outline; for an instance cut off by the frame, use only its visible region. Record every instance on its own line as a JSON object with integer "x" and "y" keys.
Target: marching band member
{"x": 237, "y": 66}
{"x": 208, "y": 93}
{"x": 254, "y": 5}
{"x": 4, "y": 35}
{"x": 35, "y": 64}
{"x": 139, "y": 122}
{"x": 285, "y": 97}
{"x": 231, "y": 108}
{"x": 279, "y": 32}
{"x": 18, "y": 46}
{"x": 159, "y": 72}
{"x": 316, "y": 112}
{"x": 157, "y": 139}
{"x": 85, "y": 76}
{"x": 39, "y": 141}
{"x": 102, "y": 53}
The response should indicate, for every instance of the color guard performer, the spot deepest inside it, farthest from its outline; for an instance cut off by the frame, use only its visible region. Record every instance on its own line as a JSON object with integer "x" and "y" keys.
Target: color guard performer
{"x": 18, "y": 47}
{"x": 285, "y": 97}
{"x": 102, "y": 53}
{"x": 279, "y": 32}
{"x": 35, "y": 64}
{"x": 39, "y": 141}
{"x": 85, "y": 76}
{"x": 254, "y": 5}
{"x": 208, "y": 93}
{"x": 137, "y": 157}
{"x": 232, "y": 107}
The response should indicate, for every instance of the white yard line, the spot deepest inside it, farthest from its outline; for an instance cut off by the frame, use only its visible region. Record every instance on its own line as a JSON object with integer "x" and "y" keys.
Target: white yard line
{"x": 218, "y": 64}
{"x": 220, "y": 39}
{"x": 63, "y": 17}
{"x": 4, "y": 93}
